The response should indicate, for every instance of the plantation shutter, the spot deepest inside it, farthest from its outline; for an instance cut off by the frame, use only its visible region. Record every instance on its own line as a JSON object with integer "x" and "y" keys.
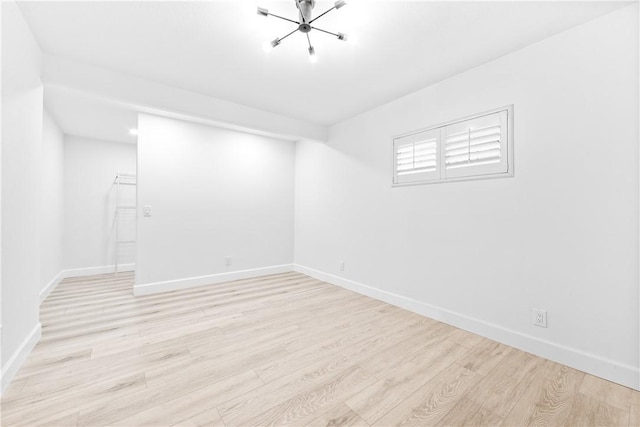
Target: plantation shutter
{"x": 477, "y": 146}
{"x": 416, "y": 157}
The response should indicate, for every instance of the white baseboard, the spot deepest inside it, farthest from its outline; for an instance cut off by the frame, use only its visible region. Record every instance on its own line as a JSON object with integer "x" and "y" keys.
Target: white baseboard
{"x": 191, "y": 282}
{"x": 90, "y": 271}
{"x": 10, "y": 368}
{"x": 44, "y": 293}
{"x": 605, "y": 368}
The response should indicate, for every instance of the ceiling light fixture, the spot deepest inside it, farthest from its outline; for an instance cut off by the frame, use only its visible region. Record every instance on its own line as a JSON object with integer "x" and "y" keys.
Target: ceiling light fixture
{"x": 133, "y": 131}
{"x": 305, "y": 8}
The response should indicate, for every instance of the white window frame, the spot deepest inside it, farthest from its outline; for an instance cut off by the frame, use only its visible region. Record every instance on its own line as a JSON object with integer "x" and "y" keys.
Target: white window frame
{"x": 464, "y": 174}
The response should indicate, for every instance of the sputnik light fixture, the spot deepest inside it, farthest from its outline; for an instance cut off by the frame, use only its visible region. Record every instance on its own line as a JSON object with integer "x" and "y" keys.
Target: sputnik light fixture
{"x": 305, "y": 9}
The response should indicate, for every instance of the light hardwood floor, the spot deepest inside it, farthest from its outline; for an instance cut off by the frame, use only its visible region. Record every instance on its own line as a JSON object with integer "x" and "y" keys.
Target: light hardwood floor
{"x": 283, "y": 350}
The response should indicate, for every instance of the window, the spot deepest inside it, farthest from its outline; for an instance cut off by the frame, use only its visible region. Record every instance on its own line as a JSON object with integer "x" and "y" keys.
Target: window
{"x": 477, "y": 147}
{"x": 417, "y": 157}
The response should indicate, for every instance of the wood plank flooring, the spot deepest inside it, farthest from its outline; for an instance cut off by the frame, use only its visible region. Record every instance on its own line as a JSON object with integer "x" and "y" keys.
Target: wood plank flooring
{"x": 283, "y": 350}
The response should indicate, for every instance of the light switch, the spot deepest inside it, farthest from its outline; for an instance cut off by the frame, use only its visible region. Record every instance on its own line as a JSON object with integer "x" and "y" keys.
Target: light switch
{"x": 146, "y": 211}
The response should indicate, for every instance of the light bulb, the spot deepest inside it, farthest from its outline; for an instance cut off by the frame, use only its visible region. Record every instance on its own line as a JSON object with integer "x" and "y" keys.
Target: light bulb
{"x": 312, "y": 55}
{"x": 267, "y": 46}
{"x": 133, "y": 131}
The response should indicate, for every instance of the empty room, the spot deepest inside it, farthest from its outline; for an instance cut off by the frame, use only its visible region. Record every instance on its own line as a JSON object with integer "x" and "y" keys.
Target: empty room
{"x": 320, "y": 213}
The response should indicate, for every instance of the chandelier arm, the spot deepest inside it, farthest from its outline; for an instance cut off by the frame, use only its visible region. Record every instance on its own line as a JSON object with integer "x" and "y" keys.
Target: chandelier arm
{"x": 324, "y": 31}
{"x": 282, "y": 38}
{"x": 282, "y": 17}
{"x": 321, "y": 15}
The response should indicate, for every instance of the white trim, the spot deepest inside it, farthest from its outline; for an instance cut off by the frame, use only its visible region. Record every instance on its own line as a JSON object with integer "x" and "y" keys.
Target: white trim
{"x": 10, "y": 368}
{"x": 191, "y": 282}
{"x": 611, "y": 370}
{"x": 1, "y": 359}
{"x": 90, "y": 271}
{"x": 44, "y": 293}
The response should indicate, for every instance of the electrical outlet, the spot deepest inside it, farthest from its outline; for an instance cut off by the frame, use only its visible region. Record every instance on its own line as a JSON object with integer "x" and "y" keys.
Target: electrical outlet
{"x": 227, "y": 261}
{"x": 539, "y": 318}
{"x": 341, "y": 265}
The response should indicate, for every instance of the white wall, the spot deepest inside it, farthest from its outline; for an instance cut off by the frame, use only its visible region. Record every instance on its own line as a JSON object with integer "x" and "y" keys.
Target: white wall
{"x": 561, "y": 235}
{"x": 22, "y": 110}
{"x": 52, "y": 204}
{"x": 90, "y": 167}
{"x": 214, "y": 193}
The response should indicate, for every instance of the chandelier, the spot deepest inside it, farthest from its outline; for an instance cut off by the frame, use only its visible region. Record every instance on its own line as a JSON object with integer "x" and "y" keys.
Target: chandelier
{"x": 304, "y": 24}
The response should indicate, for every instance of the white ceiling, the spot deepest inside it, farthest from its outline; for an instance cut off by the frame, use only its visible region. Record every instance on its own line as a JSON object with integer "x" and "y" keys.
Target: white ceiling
{"x": 215, "y": 47}
{"x": 78, "y": 114}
